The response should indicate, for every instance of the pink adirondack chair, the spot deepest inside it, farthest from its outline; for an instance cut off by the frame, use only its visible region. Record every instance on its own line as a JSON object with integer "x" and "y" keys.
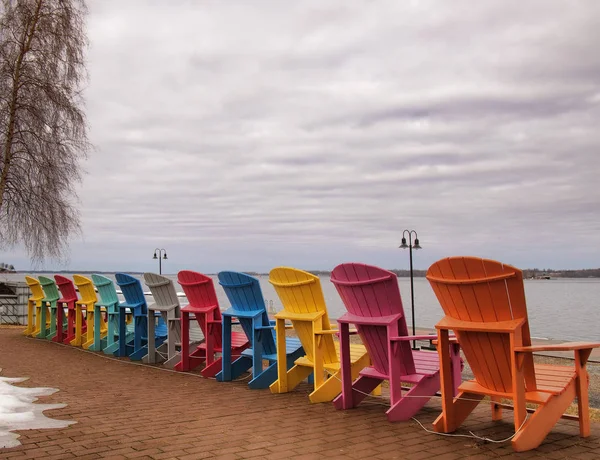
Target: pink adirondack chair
{"x": 203, "y": 304}
{"x": 68, "y": 299}
{"x": 372, "y": 297}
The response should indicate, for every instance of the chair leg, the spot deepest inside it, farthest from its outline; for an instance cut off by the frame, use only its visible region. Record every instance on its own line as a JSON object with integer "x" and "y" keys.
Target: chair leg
{"x": 30, "y": 318}
{"x": 78, "y": 340}
{"x": 537, "y": 427}
{"x": 122, "y": 351}
{"x": 41, "y": 316}
{"x": 496, "y": 409}
{"x": 236, "y": 368}
{"x": 456, "y": 412}
{"x": 70, "y": 334}
{"x": 90, "y": 321}
{"x": 184, "y": 364}
{"x": 294, "y": 376}
{"x": 332, "y": 387}
{"x": 360, "y": 386}
{"x": 409, "y": 404}
{"x": 581, "y": 383}
{"x": 59, "y": 336}
{"x": 52, "y": 332}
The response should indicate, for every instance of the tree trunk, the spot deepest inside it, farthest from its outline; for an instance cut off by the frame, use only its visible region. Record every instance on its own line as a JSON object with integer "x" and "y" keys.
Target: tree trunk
{"x": 28, "y": 33}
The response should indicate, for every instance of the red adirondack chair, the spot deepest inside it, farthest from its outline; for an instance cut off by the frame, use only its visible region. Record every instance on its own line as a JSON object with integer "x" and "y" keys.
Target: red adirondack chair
{"x": 203, "y": 304}
{"x": 69, "y": 298}
{"x": 372, "y": 297}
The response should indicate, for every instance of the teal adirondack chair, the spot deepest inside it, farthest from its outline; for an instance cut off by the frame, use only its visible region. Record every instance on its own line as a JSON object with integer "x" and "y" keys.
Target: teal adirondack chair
{"x": 248, "y": 306}
{"x": 110, "y": 300}
{"x": 51, "y": 296}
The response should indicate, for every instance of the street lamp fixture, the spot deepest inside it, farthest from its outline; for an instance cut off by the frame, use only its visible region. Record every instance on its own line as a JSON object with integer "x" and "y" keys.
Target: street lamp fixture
{"x": 410, "y": 246}
{"x": 157, "y": 255}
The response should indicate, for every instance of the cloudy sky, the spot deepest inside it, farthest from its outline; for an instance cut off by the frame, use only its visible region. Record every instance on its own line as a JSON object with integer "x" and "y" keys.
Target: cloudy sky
{"x": 249, "y": 134}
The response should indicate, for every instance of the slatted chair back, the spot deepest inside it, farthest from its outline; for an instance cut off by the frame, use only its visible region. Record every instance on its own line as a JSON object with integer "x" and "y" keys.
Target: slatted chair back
{"x": 301, "y": 293}
{"x": 163, "y": 292}
{"x": 107, "y": 293}
{"x": 67, "y": 289}
{"x": 200, "y": 292}
{"x": 51, "y": 293}
{"x": 245, "y": 295}
{"x": 37, "y": 293}
{"x": 132, "y": 290}
{"x": 371, "y": 295}
{"x": 87, "y": 292}
{"x": 475, "y": 291}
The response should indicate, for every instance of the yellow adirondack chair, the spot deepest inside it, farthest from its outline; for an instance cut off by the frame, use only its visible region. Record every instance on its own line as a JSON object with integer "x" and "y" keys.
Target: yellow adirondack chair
{"x": 303, "y": 304}
{"x": 484, "y": 303}
{"x": 37, "y": 314}
{"x": 95, "y": 323}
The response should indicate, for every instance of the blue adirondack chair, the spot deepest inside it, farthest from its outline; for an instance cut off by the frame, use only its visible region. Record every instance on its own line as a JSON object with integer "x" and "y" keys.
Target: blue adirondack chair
{"x": 110, "y": 300}
{"x": 248, "y": 306}
{"x": 135, "y": 301}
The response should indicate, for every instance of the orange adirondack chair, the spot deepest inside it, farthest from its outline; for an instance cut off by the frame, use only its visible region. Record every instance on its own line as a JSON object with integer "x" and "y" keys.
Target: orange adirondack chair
{"x": 484, "y": 303}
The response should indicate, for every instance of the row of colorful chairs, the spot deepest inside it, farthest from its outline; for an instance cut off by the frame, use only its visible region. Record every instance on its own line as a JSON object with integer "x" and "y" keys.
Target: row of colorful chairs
{"x": 483, "y": 302}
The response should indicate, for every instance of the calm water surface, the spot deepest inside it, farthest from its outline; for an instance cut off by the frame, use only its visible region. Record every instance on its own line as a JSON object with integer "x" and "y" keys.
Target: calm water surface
{"x": 565, "y": 309}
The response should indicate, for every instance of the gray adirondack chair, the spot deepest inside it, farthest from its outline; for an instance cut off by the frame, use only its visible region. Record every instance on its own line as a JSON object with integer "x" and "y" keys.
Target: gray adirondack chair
{"x": 167, "y": 304}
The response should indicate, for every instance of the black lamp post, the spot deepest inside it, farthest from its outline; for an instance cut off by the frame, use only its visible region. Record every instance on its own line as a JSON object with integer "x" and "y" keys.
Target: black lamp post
{"x": 160, "y": 251}
{"x": 410, "y": 247}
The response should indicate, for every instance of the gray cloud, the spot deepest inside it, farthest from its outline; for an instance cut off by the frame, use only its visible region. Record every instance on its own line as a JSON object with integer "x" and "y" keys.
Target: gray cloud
{"x": 245, "y": 135}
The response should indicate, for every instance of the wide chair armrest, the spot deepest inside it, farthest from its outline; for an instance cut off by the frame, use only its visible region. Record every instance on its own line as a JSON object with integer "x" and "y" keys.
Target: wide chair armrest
{"x": 451, "y": 339}
{"x": 335, "y": 332}
{"x": 567, "y": 346}
{"x": 489, "y": 326}
{"x": 241, "y": 313}
{"x": 412, "y": 337}
{"x": 273, "y": 322}
{"x": 299, "y": 316}
{"x": 366, "y": 321}
{"x": 328, "y": 332}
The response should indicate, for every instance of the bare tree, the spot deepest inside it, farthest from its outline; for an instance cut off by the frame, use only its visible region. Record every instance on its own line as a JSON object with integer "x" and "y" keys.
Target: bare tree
{"x": 43, "y": 130}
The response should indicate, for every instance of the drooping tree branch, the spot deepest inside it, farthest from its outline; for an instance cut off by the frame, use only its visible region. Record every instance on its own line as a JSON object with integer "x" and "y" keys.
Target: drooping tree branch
{"x": 43, "y": 130}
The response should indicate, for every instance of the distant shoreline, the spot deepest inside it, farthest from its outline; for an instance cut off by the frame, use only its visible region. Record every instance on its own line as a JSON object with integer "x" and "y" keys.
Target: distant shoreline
{"x": 528, "y": 273}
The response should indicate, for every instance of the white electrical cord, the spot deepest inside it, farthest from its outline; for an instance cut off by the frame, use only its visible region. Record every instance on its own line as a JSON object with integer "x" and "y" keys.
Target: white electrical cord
{"x": 471, "y": 435}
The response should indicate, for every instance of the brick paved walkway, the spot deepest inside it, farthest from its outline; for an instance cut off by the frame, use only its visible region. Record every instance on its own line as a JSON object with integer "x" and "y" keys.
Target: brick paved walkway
{"x": 128, "y": 411}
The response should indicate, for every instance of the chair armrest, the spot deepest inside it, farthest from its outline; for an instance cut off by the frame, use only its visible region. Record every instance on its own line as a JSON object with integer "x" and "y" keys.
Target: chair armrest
{"x": 412, "y": 337}
{"x": 283, "y": 314}
{"x": 489, "y": 326}
{"x": 328, "y": 332}
{"x": 452, "y": 339}
{"x": 568, "y": 346}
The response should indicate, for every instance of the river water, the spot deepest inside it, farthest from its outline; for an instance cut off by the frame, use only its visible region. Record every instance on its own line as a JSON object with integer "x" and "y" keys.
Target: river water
{"x": 561, "y": 309}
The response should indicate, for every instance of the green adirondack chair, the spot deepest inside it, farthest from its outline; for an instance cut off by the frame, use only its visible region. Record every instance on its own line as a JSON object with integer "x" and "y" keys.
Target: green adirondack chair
{"x": 51, "y": 296}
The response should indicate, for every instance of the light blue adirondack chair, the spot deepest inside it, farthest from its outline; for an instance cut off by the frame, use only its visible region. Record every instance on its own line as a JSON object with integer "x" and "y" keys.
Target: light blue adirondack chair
{"x": 110, "y": 300}
{"x": 248, "y": 306}
{"x": 135, "y": 301}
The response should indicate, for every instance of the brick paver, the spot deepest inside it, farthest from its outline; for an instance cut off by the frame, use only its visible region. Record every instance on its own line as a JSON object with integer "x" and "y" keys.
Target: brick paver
{"x": 126, "y": 411}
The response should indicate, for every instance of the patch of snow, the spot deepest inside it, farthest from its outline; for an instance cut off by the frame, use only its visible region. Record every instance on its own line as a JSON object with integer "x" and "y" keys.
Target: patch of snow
{"x": 18, "y": 411}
